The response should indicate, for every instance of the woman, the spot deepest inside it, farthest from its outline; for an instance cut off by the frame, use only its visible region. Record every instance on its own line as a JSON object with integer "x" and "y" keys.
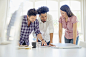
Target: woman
{"x": 68, "y": 21}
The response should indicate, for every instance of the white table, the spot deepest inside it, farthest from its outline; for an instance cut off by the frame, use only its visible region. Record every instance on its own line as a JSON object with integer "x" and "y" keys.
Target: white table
{"x": 41, "y": 52}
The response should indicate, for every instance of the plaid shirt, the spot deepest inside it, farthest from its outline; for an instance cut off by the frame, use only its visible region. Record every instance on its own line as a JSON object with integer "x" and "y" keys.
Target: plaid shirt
{"x": 26, "y": 31}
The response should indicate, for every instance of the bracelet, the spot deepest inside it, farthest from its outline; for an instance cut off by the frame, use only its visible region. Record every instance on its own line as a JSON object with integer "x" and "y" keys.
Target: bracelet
{"x": 42, "y": 39}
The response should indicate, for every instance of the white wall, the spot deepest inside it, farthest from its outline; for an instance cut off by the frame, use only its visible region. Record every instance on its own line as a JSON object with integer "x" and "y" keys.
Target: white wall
{"x": 84, "y": 17}
{"x": 3, "y": 11}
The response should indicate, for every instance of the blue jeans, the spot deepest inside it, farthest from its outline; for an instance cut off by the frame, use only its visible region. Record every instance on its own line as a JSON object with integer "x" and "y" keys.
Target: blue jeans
{"x": 71, "y": 40}
{"x": 45, "y": 41}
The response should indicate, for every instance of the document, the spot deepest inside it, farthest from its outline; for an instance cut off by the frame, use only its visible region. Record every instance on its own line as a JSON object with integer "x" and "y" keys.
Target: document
{"x": 65, "y": 45}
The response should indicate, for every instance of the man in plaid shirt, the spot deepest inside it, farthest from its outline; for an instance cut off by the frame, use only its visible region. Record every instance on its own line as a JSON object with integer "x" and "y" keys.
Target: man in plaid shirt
{"x": 29, "y": 24}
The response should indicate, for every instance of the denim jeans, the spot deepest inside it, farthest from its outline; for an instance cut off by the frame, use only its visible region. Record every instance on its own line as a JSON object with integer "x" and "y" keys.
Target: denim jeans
{"x": 71, "y": 40}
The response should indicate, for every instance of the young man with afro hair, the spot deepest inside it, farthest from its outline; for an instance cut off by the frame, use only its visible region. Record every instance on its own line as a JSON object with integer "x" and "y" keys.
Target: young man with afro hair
{"x": 45, "y": 24}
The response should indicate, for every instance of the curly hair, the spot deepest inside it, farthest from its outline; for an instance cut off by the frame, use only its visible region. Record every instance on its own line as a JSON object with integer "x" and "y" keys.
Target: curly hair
{"x": 42, "y": 9}
{"x": 32, "y": 12}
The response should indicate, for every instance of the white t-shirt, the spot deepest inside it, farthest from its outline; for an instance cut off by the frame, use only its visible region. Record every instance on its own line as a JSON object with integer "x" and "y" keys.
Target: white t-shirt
{"x": 46, "y": 28}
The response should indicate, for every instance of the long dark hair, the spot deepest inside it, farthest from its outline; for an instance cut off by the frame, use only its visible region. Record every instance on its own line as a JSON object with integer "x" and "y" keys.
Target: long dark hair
{"x": 66, "y": 8}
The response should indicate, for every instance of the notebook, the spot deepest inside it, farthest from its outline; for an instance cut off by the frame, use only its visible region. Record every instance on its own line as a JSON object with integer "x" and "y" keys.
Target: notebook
{"x": 23, "y": 47}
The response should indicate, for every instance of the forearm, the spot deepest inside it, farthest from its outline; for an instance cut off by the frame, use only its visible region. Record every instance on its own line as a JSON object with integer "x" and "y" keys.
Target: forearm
{"x": 74, "y": 37}
{"x": 51, "y": 37}
{"x": 74, "y": 33}
{"x": 37, "y": 40}
{"x": 60, "y": 32}
{"x": 39, "y": 36}
{"x": 43, "y": 41}
{"x": 60, "y": 35}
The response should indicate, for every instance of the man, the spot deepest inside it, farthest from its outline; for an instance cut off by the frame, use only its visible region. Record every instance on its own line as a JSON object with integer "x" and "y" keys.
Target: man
{"x": 45, "y": 24}
{"x": 29, "y": 24}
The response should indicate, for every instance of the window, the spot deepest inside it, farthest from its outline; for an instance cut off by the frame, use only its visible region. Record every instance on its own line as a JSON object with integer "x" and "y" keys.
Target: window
{"x": 39, "y": 4}
{"x": 54, "y": 10}
{"x": 27, "y": 5}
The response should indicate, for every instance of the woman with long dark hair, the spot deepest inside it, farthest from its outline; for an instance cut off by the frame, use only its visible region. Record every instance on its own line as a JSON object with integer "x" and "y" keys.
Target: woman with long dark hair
{"x": 68, "y": 21}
